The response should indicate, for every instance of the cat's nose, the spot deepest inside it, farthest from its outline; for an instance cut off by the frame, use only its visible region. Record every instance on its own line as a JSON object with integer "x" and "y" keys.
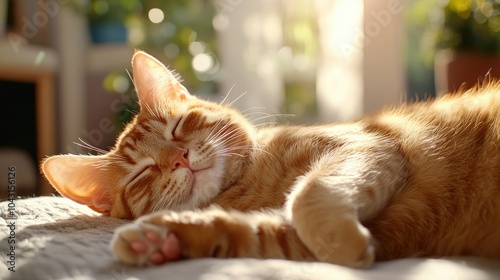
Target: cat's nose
{"x": 181, "y": 159}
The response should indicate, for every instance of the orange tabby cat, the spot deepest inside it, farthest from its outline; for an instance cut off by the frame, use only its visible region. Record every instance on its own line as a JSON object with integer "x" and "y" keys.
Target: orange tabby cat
{"x": 419, "y": 180}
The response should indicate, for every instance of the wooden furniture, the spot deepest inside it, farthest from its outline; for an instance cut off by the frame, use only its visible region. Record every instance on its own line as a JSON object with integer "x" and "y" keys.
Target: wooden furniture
{"x": 45, "y": 113}
{"x": 36, "y": 65}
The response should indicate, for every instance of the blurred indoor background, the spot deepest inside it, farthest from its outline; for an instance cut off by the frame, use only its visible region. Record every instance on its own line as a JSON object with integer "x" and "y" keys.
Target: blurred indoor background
{"x": 63, "y": 63}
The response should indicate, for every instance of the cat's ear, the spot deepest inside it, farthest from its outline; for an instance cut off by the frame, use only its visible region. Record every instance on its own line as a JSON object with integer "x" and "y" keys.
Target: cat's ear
{"x": 81, "y": 179}
{"x": 154, "y": 82}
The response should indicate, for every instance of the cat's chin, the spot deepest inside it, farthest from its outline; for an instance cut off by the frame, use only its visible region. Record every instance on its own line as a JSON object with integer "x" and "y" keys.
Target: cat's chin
{"x": 206, "y": 186}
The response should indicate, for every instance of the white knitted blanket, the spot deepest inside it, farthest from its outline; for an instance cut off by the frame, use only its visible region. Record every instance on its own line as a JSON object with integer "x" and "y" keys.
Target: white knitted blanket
{"x": 55, "y": 238}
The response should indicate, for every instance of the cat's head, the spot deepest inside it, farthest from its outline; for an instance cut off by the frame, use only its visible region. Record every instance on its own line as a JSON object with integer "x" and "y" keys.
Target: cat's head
{"x": 178, "y": 153}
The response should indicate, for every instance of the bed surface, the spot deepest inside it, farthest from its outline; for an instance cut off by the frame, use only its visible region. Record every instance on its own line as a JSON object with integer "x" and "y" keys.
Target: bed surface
{"x": 56, "y": 238}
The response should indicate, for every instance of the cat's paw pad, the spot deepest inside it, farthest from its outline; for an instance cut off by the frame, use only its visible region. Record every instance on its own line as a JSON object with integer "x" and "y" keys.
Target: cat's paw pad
{"x": 141, "y": 243}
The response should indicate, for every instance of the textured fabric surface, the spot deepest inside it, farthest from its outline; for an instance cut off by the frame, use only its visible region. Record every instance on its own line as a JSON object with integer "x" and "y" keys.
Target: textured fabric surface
{"x": 56, "y": 238}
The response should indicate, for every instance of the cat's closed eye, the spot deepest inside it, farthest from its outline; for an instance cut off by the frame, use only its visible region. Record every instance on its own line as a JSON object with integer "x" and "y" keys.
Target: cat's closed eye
{"x": 175, "y": 132}
{"x": 140, "y": 173}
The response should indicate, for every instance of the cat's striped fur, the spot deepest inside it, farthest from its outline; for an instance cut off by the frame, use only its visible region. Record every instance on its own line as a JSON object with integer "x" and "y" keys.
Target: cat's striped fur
{"x": 418, "y": 180}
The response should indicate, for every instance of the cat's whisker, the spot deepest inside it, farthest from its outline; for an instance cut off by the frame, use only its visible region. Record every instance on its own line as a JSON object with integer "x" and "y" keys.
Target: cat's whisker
{"x": 228, "y": 140}
{"x": 232, "y": 102}
{"x": 173, "y": 203}
{"x": 162, "y": 204}
{"x": 130, "y": 77}
{"x": 144, "y": 103}
{"x": 223, "y": 142}
{"x": 228, "y": 137}
{"x": 217, "y": 152}
{"x": 90, "y": 147}
{"x": 265, "y": 124}
{"x": 231, "y": 134}
{"x": 231, "y": 154}
{"x": 270, "y": 116}
{"x": 209, "y": 137}
{"x": 252, "y": 108}
{"x": 155, "y": 206}
{"x": 228, "y": 132}
{"x": 227, "y": 95}
{"x": 158, "y": 114}
{"x": 155, "y": 112}
{"x": 258, "y": 149}
{"x": 228, "y": 153}
{"x": 141, "y": 100}
{"x": 133, "y": 112}
{"x": 248, "y": 112}
{"x": 219, "y": 132}
{"x": 234, "y": 148}
{"x": 220, "y": 152}
{"x": 240, "y": 148}
{"x": 249, "y": 116}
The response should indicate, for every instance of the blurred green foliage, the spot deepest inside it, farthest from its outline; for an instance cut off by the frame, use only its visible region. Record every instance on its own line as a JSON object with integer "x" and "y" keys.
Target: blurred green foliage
{"x": 471, "y": 25}
{"x": 461, "y": 25}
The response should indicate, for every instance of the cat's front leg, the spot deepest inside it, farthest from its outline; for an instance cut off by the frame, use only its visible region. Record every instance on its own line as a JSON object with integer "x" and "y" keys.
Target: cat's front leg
{"x": 168, "y": 236}
{"x": 329, "y": 204}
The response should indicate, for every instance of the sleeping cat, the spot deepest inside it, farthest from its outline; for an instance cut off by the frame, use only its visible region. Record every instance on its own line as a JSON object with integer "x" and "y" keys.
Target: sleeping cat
{"x": 418, "y": 180}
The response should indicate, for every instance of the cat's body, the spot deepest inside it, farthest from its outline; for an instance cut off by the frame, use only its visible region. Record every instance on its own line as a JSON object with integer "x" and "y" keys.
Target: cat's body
{"x": 419, "y": 180}
{"x": 442, "y": 160}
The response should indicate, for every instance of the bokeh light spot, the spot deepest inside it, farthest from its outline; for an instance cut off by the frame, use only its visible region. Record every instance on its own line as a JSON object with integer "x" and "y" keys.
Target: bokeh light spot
{"x": 196, "y": 48}
{"x": 220, "y": 22}
{"x": 120, "y": 84}
{"x": 156, "y": 15}
{"x": 135, "y": 36}
{"x": 202, "y": 62}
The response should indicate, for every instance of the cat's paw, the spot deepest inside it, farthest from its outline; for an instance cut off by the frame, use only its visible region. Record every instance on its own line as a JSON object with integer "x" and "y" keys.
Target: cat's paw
{"x": 363, "y": 250}
{"x": 168, "y": 236}
{"x": 142, "y": 243}
{"x": 349, "y": 245}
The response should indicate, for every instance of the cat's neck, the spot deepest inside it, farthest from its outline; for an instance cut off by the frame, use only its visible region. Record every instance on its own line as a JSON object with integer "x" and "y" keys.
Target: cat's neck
{"x": 269, "y": 171}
